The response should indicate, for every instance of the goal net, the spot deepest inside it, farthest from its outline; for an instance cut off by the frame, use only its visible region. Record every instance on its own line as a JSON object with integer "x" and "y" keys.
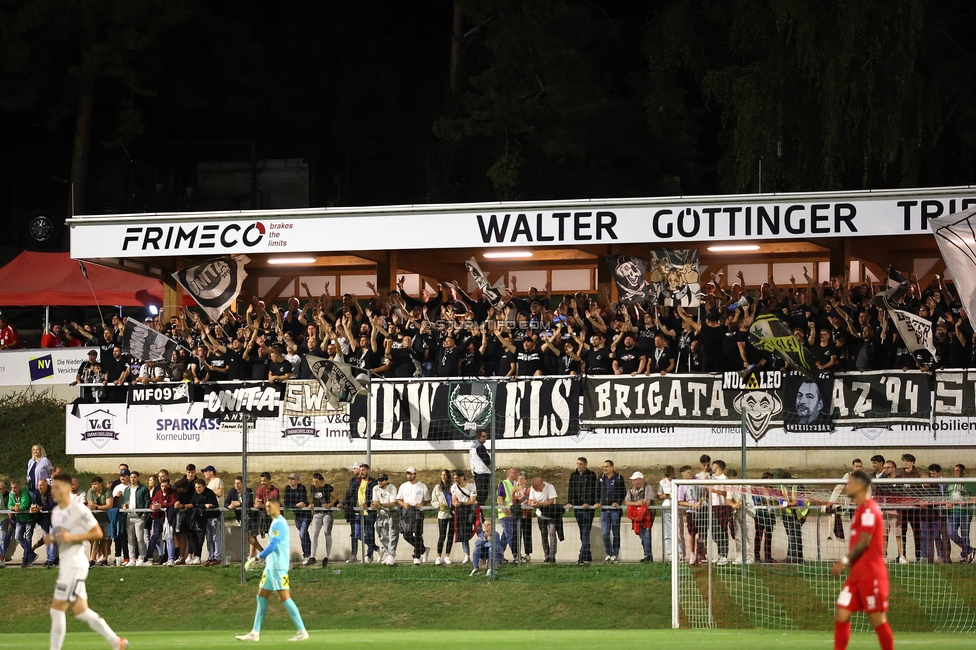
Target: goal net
{"x": 758, "y": 553}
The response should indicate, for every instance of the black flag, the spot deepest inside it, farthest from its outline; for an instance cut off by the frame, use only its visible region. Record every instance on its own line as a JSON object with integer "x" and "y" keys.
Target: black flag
{"x": 214, "y": 284}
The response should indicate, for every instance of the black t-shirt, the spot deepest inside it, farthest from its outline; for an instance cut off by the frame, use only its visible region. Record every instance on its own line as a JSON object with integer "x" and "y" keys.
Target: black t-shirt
{"x": 645, "y": 338}
{"x": 219, "y": 362}
{"x": 293, "y": 327}
{"x": 278, "y": 368}
{"x": 628, "y": 361}
{"x": 528, "y": 363}
{"x": 822, "y": 354}
{"x": 403, "y": 361}
{"x": 447, "y": 362}
{"x": 321, "y": 496}
{"x": 660, "y": 359}
{"x": 598, "y": 361}
{"x": 470, "y": 363}
{"x": 115, "y": 367}
{"x": 711, "y": 340}
{"x": 568, "y": 365}
{"x": 201, "y": 370}
{"x": 236, "y": 366}
{"x": 259, "y": 367}
{"x": 505, "y": 363}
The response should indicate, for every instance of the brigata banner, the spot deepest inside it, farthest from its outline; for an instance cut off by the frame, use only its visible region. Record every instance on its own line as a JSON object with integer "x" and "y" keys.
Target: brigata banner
{"x": 259, "y": 400}
{"x": 763, "y": 402}
{"x": 545, "y": 407}
{"x": 660, "y": 222}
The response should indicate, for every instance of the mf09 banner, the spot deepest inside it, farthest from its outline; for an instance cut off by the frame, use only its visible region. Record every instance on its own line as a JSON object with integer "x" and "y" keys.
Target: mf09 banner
{"x": 761, "y": 402}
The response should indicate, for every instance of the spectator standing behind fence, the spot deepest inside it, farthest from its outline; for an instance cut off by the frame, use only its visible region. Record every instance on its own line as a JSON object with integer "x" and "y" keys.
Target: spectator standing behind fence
{"x": 664, "y": 493}
{"x": 19, "y": 501}
{"x": 412, "y": 497}
{"x": 612, "y": 492}
{"x": 100, "y": 502}
{"x": 264, "y": 493}
{"x": 440, "y": 498}
{"x": 162, "y": 521}
{"x": 522, "y": 514}
{"x": 6, "y": 529}
{"x": 960, "y": 517}
{"x": 909, "y": 515}
{"x": 207, "y": 511}
{"x": 689, "y": 499}
{"x": 38, "y": 467}
{"x": 42, "y": 503}
{"x": 322, "y": 497}
{"x": 765, "y": 509}
{"x": 638, "y": 501}
{"x": 480, "y": 461}
{"x": 583, "y": 490}
{"x": 721, "y": 514}
{"x": 542, "y": 497}
{"x": 238, "y": 501}
{"x": 464, "y": 494}
{"x": 214, "y": 482}
{"x": 360, "y": 522}
{"x": 935, "y": 541}
{"x": 135, "y": 496}
{"x": 296, "y": 500}
{"x": 116, "y": 517}
{"x": 384, "y": 502}
{"x": 506, "y": 488}
{"x": 794, "y": 516}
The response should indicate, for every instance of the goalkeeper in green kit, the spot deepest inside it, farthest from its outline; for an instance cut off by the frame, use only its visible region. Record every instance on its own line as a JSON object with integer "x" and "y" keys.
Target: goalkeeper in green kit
{"x": 275, "y": 577}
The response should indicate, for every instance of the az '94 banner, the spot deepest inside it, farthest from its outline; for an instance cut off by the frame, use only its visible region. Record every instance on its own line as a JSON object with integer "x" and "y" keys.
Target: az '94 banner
{"x": 762, "y": 402}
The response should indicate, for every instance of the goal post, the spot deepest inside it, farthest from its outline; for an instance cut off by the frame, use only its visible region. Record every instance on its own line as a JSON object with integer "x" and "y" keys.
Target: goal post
{"x": 774, "y": 572}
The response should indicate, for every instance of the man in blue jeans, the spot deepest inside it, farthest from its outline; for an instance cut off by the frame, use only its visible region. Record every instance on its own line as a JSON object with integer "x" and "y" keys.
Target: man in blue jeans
{"x": 296, "y": 500}
{"x": 583, "y": 496}
{"x": 20, "y": 502}
{"x": 612, "y": 491}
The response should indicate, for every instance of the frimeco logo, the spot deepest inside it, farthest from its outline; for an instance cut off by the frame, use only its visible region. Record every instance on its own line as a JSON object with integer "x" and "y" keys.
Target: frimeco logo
{"x": 193, "y": 237}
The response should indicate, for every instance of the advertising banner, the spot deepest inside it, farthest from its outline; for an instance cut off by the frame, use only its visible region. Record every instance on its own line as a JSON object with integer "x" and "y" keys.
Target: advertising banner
{"x": 42, "y": 366}
{"x": 677, "y": 222}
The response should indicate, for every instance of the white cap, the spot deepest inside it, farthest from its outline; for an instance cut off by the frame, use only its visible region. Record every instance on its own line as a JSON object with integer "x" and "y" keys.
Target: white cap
{"x": 356, "y": 466}
{"x": 411, "y": 470}
{"x": 636, "y": 475}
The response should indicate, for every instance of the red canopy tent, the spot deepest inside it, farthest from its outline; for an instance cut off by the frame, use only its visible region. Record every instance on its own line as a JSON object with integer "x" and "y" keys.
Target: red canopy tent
{"x": 54, "y": 279}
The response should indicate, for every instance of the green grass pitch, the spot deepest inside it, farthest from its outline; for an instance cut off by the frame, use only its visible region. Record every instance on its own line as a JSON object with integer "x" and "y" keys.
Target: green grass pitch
{"x": 437, "y": 639}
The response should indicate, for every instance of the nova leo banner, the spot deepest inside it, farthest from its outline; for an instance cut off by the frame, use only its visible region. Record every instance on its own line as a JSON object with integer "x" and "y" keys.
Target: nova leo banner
{"x": 447, "y": 410}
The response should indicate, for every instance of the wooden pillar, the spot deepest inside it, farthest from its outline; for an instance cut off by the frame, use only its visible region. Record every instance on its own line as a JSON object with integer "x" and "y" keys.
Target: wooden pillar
{"x": 604, "y": 280}
{"x": 172, "y": 291}
{"x": 386, "y": 274}
{"x": 840, "y": 258}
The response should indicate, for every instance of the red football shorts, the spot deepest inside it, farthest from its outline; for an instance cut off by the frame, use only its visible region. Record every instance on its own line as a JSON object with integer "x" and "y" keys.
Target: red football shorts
{"x": 864, "y": 595}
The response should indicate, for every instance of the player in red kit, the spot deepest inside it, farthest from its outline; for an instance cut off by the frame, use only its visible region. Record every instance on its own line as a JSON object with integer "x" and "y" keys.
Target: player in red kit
{"x": 866, "y": 589}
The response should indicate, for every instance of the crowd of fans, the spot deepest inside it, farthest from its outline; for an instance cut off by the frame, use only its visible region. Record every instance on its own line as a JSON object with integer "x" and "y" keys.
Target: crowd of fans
{"x": 449, "y": 333}
{"x": 172, "y": 522}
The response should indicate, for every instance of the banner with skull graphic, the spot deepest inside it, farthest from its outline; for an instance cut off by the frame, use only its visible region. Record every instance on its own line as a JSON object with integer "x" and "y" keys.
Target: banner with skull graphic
{"x": 629, "y": 274}
{"x": 761, "y": 402}
{"x": 674, "y": 276}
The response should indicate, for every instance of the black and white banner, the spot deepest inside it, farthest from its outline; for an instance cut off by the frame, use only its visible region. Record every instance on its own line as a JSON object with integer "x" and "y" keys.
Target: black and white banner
{"x": 214, "y": 284}
{"x": 790, "y": 402}
{"x": 338, "y": 385}
{"x": 142, "y": 342}
{"x": 630, "y": 276}
{"x": 159, "y": 394}
{"x": 675, "y": 277}
{"x": 258, "y": 400}
{"x": 456, "y": 410}
{"x": 494, "y": 294}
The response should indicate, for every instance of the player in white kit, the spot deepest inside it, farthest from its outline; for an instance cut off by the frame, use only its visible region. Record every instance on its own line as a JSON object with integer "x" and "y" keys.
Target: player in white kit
{"x": 72, "y": 524}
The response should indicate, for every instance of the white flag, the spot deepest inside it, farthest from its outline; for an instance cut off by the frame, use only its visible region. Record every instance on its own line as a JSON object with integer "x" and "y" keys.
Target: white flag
{"x": 214, "y": 284}
{"x": 914, "y": 330}
{"x": 956, "y": 236}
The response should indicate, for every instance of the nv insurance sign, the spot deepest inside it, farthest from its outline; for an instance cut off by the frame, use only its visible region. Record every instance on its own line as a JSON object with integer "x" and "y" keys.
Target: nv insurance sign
{"x": 671, "y": 221}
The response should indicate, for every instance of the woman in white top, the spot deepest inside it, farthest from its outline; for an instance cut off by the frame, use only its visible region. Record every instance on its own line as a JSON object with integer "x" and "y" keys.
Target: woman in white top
{"x": 442, "y": 499}
{"x": 465, "y": 497}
